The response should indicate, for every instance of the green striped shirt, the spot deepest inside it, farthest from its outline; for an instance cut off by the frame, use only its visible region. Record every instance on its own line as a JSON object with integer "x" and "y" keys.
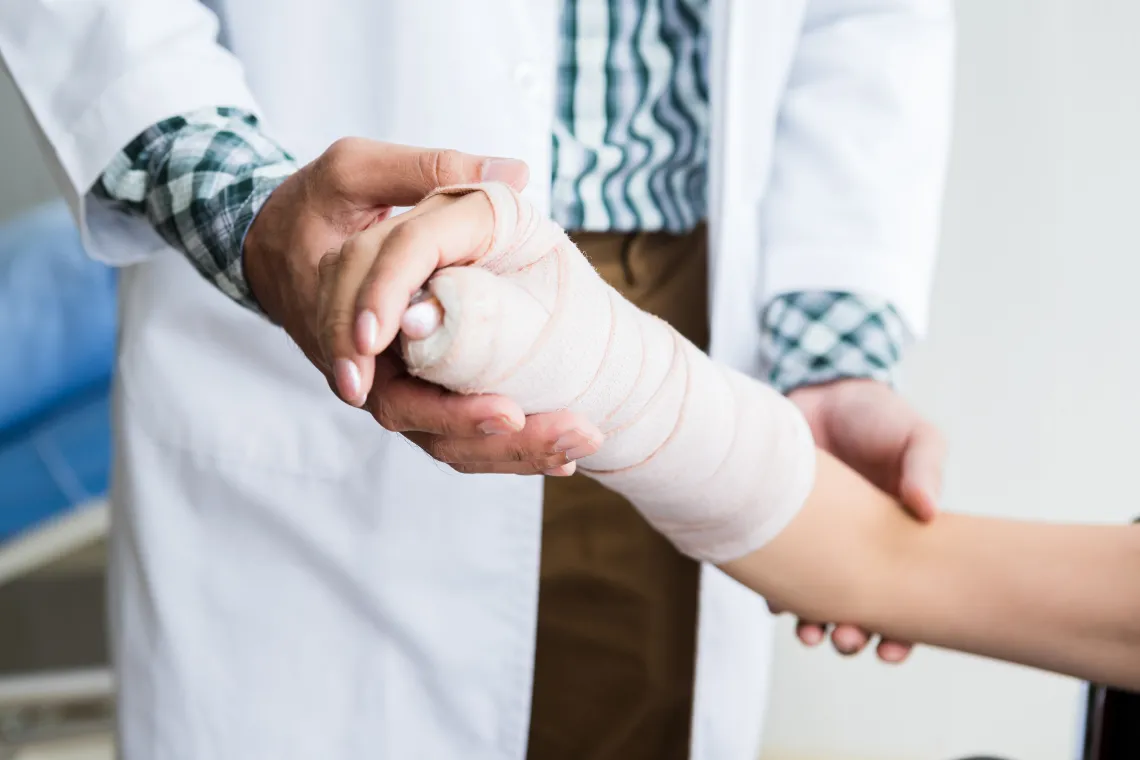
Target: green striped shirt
{"x": 631, "y": 136}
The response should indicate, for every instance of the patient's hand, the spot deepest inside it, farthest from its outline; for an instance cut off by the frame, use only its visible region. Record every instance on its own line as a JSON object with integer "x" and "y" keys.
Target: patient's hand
{"x": 363, "y": 291}
{"x": 317, "y": 238}
{"x": 873, "y": 430}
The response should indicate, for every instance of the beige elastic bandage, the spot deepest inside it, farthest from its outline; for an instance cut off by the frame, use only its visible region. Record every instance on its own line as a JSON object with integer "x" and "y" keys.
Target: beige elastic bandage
{"x": 716, "y": 461}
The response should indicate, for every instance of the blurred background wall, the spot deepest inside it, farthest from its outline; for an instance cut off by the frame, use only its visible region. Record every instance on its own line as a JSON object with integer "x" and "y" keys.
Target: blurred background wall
{"x": 24, "y": 181}
{"x": 1029, "y": 367}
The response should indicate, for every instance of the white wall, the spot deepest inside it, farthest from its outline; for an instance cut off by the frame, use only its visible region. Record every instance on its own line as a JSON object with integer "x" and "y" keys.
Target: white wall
{"x": 23, "y": 179}
{"x": 1030, "y": 366}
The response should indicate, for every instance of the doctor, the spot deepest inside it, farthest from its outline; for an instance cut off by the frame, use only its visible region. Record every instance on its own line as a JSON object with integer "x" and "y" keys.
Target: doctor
{"x": 289, "y": 580}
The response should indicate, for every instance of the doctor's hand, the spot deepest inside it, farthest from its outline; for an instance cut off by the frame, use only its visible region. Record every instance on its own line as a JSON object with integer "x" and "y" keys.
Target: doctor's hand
{"x": 351, "y": 188}
{"x": 873, "y": 429}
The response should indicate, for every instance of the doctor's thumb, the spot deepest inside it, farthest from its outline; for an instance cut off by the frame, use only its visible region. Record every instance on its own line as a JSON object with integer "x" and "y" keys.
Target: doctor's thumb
{"x": 441, "y": 168}
{"x": 920, "y": 479}
{"x": 372, "y": 173}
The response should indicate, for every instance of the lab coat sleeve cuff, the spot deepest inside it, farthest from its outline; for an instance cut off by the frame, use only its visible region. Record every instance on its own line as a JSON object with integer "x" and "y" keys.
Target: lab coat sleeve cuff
{"x": 139, "y": 99}
{"x": 902, "y": 281}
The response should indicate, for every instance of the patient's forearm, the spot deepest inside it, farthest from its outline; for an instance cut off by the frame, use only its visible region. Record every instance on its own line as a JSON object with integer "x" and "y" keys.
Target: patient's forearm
{"x": 1060, "y": 597}
{"x": 721, "y": 465}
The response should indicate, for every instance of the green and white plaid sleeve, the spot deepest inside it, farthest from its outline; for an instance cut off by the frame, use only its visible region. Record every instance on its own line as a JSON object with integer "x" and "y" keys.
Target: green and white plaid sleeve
{"x": 200, "y": 180}
{"x": 816, "y": 337}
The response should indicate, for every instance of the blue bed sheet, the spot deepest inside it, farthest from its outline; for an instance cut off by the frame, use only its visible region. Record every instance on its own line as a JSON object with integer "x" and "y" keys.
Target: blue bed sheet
{"x": 57, "y": 315}
{"x": 57, "y": 343}
{"x": 56, "y": 464}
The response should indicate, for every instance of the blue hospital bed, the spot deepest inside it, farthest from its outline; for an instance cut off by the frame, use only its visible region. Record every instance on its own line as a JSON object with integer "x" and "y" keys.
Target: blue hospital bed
{"x": 57, "y": 339}
{"x": 57, "y": 336}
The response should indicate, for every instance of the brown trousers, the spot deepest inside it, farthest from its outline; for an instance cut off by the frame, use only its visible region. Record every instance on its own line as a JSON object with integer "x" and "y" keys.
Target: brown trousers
{"x": 617, "y": 609}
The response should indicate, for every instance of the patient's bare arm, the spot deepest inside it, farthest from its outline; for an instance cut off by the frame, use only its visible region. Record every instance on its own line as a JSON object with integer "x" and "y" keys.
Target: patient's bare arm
{"x": 1064, "y": 598}
{"x": 726, "y": 468}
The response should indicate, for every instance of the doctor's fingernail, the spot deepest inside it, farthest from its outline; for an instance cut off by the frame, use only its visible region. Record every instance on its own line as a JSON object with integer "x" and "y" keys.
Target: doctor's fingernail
{"x": 498, "y": 426}
{"x": 347, "y": 376}
{"x": 367, "y": 332}
{"x": 501, "y": 170}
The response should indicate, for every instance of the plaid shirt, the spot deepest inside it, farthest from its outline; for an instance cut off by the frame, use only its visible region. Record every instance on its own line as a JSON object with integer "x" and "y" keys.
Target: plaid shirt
{"x": 201, "y": 178}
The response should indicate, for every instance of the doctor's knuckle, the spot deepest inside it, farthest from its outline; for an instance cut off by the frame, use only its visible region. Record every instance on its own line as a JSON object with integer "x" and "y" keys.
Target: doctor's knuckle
{"x": 517, "y": 451}
{"x": 446, "y": 426}
{"x": 386, "y": 416}
{"x": 444, "y": 167}
{"x": 442, "y": 449}
{"x": 339, "y": 159}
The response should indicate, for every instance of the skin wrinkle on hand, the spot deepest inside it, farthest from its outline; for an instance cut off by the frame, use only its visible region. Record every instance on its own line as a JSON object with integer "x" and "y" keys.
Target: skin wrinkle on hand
{"x": 532, "y": 320}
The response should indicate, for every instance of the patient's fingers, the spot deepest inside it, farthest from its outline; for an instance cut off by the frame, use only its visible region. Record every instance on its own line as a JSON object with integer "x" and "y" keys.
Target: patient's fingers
{"x": 920, "y": 481}
{"x": 340, "y": 328}
{"x": 455, "y": 230}
{"x": 423, "y": 317}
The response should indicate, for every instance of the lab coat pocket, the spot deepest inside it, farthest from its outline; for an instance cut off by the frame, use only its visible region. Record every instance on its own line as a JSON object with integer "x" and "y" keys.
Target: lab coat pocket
{"x": 203, "y": 375}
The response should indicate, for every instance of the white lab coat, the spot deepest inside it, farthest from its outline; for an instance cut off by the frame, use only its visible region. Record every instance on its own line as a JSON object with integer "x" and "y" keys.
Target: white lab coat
{"x": 290, "y": 581}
